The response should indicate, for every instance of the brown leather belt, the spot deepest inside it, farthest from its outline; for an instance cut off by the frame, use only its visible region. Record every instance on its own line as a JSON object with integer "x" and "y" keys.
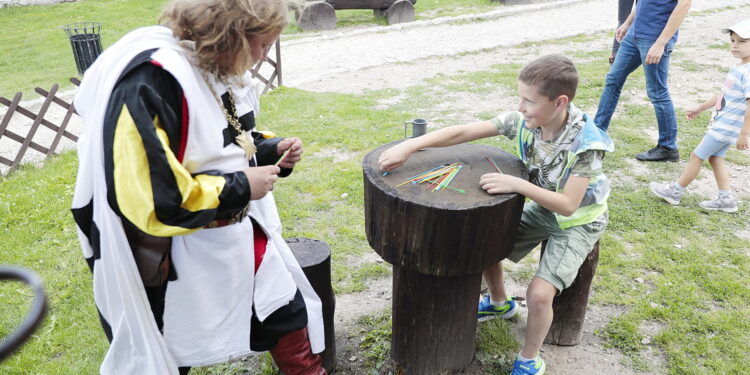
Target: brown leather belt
{"x": 236, "y": 218}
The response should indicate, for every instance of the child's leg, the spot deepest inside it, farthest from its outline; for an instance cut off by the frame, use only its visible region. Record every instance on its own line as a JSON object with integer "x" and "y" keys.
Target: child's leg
{"x": 534, "y": 228}
{"x": 724, "y": 201}
{"x": 691, "y": 171}
{"x": 495, "y": 282}
{"x": 721, "y": 172}
{"x": 539, "y": 298}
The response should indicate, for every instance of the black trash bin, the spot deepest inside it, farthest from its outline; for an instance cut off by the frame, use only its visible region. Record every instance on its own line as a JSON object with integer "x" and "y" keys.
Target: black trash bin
{"x": 86, "y": 41}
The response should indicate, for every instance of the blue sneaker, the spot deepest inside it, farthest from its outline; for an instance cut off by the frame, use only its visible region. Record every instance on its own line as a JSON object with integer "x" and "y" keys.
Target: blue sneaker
{"x": 532, "y": 367}
{"x": 487, "y": 310}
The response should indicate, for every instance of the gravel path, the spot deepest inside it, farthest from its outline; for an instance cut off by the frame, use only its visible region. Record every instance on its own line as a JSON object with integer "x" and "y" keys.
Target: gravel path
{"x": 338, "y": 60}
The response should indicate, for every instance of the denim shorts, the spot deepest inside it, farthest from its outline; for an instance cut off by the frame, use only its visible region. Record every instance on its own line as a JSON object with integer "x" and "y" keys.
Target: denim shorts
{"x": 566, "y": 249}
{"x": 711, "y": 147}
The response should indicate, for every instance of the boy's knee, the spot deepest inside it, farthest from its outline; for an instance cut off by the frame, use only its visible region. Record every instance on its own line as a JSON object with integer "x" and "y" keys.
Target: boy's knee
{"x": 540, "y": 296}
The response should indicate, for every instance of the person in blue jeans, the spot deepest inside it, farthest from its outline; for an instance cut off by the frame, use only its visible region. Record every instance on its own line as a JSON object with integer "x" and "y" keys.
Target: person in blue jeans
{"x": 624, "y": 7}
{"x": 647, "y": 38}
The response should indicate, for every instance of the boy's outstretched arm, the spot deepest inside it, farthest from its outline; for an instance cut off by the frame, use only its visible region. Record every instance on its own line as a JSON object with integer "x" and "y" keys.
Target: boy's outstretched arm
{"x": 693, "y": 113}
{"x": 742, "y": 139}
{"x": 397, "y": 155}
{"x": 565, "y": 203}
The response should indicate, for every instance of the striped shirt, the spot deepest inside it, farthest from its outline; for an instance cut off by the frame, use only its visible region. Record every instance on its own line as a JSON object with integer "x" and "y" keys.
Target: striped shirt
{"x": 731, "y": 105}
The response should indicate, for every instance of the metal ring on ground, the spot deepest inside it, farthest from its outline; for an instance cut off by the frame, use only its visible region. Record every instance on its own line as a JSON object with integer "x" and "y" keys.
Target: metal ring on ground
{"x": 36, "y": 314}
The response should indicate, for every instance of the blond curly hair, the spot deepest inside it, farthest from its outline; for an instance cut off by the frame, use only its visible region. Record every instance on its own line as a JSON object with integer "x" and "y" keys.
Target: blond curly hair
{"x": 220, "y": 29}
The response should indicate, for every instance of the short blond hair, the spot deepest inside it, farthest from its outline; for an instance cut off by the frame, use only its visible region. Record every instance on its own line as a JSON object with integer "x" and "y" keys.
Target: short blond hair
{"x": 553, "y": 75}
{"x": 220, "y": 29}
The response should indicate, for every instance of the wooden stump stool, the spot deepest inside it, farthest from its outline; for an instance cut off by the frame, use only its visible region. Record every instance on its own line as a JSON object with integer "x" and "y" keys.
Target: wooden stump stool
{"x": 439, "y": 243}
{"x": 569, "y": 308}
{"x": 315, "y": 259}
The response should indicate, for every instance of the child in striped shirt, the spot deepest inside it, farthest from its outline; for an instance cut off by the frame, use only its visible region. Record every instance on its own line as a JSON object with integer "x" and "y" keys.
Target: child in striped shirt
{"x": 730, "y": 125}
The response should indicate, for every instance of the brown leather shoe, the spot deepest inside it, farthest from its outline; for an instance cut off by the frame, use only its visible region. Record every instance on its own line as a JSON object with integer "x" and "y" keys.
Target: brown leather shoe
{"x": 293, "y": 356}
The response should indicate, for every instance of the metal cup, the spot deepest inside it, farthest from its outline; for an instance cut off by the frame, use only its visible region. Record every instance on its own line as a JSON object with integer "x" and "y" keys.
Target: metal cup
{"x": 418, "y": 127}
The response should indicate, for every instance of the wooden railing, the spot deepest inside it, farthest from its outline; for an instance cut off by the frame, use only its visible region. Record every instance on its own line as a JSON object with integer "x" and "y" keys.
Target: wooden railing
{"x": 268, "y": 73}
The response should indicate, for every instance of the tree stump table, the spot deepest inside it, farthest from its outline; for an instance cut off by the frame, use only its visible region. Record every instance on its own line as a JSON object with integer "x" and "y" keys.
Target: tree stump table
{"x": 439, "y": 243}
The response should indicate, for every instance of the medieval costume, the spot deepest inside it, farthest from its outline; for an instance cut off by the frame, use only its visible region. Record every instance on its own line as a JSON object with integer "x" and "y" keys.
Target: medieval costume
{"x": 159, "y": 161}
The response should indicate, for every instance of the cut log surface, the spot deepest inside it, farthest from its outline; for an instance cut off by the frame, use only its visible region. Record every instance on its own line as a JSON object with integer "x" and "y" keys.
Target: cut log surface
{"x": 442, "y": 233}
{"x": 401, "y": 11}
{"x": 317, "y": 15}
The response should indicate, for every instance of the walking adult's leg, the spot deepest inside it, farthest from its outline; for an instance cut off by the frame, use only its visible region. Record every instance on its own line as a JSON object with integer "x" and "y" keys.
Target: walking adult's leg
{"x": 627, "y": 60}
{"x": 624, "y": 7}
{"x": 658, "y": 92}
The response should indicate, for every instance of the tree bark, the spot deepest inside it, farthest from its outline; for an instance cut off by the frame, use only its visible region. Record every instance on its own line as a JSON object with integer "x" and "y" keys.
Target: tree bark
{"x": 315, "y": 259}
{"x": 569, "y": 308}
{"x": 317, "y": 15}
{"x": 401, "y": 11}
{"x": 434, "y": 321}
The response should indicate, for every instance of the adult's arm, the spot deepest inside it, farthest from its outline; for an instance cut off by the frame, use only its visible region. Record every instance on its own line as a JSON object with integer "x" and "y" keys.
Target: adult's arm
{"x": 146, "y": 181}
{"x": 673, "y": 23}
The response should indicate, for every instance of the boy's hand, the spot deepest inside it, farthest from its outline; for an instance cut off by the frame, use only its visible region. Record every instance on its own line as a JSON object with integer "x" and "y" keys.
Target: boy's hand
{"x": 295, "y": 153}
{"x": 742, "y": 141}
{"x": 496, "y": 183}
{"x": 693, "y": 113}
{"x": 394, "y": 157}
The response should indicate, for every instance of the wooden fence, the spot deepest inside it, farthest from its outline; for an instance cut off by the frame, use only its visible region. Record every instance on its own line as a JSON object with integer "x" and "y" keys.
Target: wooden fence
{"x": 268, "y": 73}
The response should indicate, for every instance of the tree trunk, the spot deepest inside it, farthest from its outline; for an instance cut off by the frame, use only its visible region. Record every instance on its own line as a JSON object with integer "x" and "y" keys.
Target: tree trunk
{"x": 316, "y": 15}
{"x": 315, "y": 259}
{"x": 401, "y": 11}
{"x": 569, "y": 308}
{"x": 434, "y": 321}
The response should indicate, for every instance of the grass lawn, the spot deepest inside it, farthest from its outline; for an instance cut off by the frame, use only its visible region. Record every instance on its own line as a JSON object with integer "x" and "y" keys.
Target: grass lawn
{"x": 36, "y": 50}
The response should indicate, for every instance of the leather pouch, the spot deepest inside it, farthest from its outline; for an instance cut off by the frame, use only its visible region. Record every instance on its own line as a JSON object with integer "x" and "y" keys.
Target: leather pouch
{"x": 151, "y": 255}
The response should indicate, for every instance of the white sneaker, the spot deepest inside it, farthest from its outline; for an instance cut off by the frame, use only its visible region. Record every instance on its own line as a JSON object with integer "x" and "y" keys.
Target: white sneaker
{"x": 666, "y": 191}
{"x": 726, "y": 204}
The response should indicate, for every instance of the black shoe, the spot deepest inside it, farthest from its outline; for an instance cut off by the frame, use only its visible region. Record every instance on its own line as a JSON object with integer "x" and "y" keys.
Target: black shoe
{"x": 659, "y": 153}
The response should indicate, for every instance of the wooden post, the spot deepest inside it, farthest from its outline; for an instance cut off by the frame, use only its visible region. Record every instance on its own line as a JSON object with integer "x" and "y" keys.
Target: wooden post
{"x": 569, "y": 308}
{"x": 315, "y": 259}
{"x": 439, "y": 243}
